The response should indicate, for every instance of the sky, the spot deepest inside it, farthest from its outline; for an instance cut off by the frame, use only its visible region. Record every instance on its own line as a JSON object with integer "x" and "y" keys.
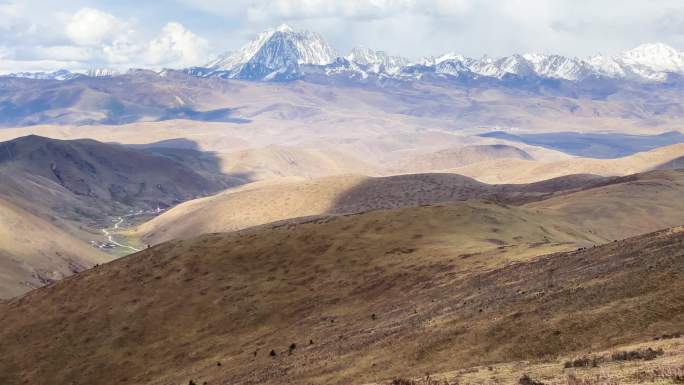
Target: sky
{"x": 44, "y": 35}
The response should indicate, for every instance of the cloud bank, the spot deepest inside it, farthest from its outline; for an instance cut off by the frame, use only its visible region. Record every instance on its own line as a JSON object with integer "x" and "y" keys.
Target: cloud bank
{"x": 91, "y": 38}
{"x": 178, "y": 33}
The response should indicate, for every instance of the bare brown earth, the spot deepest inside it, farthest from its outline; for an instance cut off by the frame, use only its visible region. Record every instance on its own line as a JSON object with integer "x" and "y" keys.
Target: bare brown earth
{"x": 347, "y": 299}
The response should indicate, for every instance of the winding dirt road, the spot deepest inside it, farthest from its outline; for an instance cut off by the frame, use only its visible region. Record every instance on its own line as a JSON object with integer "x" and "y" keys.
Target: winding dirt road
{"x": 111, "y": 240}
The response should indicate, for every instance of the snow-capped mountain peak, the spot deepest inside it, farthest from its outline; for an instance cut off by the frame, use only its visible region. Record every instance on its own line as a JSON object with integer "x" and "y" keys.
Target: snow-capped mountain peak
{"x": 283, "y": 53}
{"x": 284, "y": 28}
{"x": 102, "y": 72}
{"x": 557, "y": 66}
{"x": 434, "y": 60}
{"x": 651, "y": 62}
{"x": 274, "y": 53}
{"x": 56, "y": 75}
{"x": 656, "y": 56}
{"x": 376, "y": 61}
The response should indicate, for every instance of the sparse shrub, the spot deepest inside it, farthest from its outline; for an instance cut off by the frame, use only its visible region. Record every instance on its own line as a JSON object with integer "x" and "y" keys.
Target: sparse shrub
{"x": 674, "y": 374}
{"x": 639, "y": 354}
{"x": 403, "y": 381}
{"x": 292, "y": 348}
{"x": 192, "y": 382}
{"x": 584, "y": 362}
{"x": 526, "y": 380}
{"x": 571, "y": 379}
{"x": 273, "y": 353}
{"x": 669, "y": 336}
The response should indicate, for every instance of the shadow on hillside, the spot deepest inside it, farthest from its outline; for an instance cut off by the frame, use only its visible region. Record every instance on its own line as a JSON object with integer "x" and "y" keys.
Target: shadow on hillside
{"x": 219, "y": 115}
{"x": 593, "y": 145}
{"x": 674, "y": 164}
{"x": 435, "y": 188}
{"x": 408, "y": 190}
{"x": 189, "y": 154}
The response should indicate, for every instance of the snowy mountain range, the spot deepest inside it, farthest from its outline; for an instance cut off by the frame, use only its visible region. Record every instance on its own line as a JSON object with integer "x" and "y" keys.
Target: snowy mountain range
{"x": 65, "y": 74}
{"x": 283, "y": 54}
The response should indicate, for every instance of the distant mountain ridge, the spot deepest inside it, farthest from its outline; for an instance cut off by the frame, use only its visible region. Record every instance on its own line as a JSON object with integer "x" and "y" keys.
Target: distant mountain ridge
{"x": 275, "y": 54}
{"x": 282, "y": 54}
{"x": 285, "y": 54}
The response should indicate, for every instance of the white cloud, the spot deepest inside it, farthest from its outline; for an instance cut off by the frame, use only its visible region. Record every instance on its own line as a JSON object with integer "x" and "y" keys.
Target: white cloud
{"x": 91, "y": 38}
{"x": 314, "y": 9}
{"x": 108, "y": 33}
{"x": 9, "y": 13}
{"x": 177, "y": 47}
{"x": 90, "y": 26}
{"x": 472, "y": 27}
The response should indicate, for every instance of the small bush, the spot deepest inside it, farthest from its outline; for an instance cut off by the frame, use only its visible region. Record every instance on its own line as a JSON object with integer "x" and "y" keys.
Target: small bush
{"x": 273, "y": 353}
{"x": 639, "y": 354}
{"x": 673, "y": 374}
{"x": 403, "y": 381}
{"x": 584, "y": 362}
{"x": 670, "y": 336}
{"x": 526, "y": 380}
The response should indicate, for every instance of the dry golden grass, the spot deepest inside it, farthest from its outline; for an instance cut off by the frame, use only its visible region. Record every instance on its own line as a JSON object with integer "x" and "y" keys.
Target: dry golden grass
{"x": 527, "y": 171}
{"x": 34, "y": 252}
{"x": 364, "y": 297}
{"x": 637, "y": 204}
{"x": 663, "y": 370}
{"x": 268, "y": 201}
{"x": 610, "y": 209}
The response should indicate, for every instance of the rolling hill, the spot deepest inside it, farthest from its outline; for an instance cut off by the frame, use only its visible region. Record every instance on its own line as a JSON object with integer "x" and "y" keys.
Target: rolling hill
{"x": 281, "y": 161}
{"x": 34, "y": 252}
{"x": 627, "y": 207}
{"x": 58, "y": 195}
{"x": 347, "y": 299}
{"x": 526, "y": 171}
{"x": 263, "y": 202}
{"x": 84, "y": 180}
{"x": 459, "y": 156}
{"x": 610, "y": 208}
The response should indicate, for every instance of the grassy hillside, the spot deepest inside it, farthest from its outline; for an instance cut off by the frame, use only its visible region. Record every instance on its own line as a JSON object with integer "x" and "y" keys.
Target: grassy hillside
{"x": 265, "y": 202}
{"x": 347, "y": 299}
{"x": 57, "y": 196}
{"x": 610, "y": 208}
{"x": 655, "y": 362}
{"x": 458, "y": 157}
{"x": 526, "y": 171}
{"x": 630, "y": 206}
{"x": 34, "y": 252}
